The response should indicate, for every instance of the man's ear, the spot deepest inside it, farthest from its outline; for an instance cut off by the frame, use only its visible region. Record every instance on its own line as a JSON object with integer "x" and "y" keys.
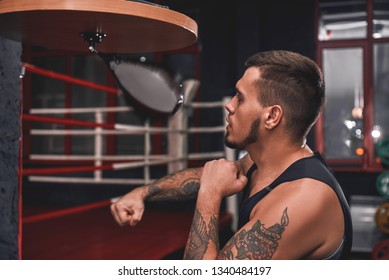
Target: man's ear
{"x": 273, "y": 116}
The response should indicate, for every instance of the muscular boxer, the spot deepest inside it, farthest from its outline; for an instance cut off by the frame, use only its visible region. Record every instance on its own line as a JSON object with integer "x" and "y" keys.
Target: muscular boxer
{"x": 292, "y": 206}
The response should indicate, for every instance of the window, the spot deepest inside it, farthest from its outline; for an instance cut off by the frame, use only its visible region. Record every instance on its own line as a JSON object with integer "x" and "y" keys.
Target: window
{"x": 353, "y": 51}
{"x": 344, "y": 102}
{"x": 381, "y": 19}
{"x": 381, "y": 91}
{"x": 342, "y": 20}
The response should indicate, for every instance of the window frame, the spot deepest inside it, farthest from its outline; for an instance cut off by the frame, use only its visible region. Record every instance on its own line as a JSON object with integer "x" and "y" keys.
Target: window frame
{"x": 368, "y": 162}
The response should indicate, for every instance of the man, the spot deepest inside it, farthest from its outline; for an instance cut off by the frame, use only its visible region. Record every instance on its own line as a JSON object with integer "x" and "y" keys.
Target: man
{"x": 292, "y": 207}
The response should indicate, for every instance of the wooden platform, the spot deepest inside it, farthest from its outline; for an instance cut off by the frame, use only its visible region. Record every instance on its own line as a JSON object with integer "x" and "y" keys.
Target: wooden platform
{"x": 94, "y": 235}
{"x": 129, "y": 26}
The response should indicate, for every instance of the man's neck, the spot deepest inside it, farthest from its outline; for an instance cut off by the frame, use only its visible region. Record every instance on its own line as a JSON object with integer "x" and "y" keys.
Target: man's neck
{"x": 275, "y": 158}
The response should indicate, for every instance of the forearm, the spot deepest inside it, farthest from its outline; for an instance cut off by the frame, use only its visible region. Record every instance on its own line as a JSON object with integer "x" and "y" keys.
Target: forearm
{"x": 219, "y": 179}
{"x": 203, "y": 240}
{"x": 181, "y": 185}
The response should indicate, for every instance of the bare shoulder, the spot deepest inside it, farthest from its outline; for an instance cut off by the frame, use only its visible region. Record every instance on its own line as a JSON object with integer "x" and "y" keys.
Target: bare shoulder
{"x": 311, "y": 215}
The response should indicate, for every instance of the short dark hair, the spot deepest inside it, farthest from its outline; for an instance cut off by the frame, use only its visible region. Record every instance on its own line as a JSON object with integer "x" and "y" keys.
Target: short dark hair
{"x": 294, "y": 82}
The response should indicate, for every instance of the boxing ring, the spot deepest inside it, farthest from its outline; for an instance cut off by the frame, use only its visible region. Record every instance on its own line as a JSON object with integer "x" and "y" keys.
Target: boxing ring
{"x": 89, "y": 231}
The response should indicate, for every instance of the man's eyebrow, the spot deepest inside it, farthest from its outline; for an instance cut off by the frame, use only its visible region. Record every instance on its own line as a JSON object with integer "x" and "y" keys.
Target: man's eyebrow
{"x": 238, "y": 91}
{"x": 241, "y": 95}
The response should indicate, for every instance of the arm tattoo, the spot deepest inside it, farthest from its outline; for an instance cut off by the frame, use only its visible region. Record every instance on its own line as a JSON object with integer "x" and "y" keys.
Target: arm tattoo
{"x": 214, "y": 231}
{"x": 187, "y": 181}
{"x": 199, "y": 237}
{"x": 258, "y": 242}
{"x": 188, "y": 190}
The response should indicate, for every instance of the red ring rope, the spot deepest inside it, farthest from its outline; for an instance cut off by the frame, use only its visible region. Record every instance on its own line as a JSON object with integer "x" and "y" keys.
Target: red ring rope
{"x": 66, "y": 78}
{"x": 64, "y": 170}
{"x": 63, "y": 121}
{"x": 64, "y": 212}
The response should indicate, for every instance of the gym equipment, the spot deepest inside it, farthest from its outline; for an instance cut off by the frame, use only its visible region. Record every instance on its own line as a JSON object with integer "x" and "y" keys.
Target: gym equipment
{"x": 120, "y": 26}
{"x": 148, "y": 88}
{"x": 382, "y": 217}
{"x": 381, "y": 250}
{"x": 382, "y": 148}
{"x": 382, "y": 184}
{"x": 114, "y": 27}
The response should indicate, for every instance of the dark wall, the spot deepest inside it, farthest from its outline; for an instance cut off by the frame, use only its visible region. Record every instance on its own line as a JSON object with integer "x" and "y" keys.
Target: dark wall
{"x": 358, "y": 183}
{"x": 231, "y": 31}
{"x": 10, "y": 53}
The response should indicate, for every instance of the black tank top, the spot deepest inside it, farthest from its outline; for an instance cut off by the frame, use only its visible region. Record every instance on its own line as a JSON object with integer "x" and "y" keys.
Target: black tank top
{"x": 312, "y": 167}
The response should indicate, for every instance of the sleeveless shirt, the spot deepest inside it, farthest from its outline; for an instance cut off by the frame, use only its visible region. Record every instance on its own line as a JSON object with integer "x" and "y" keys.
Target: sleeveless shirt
{"x": 313, "y": 167}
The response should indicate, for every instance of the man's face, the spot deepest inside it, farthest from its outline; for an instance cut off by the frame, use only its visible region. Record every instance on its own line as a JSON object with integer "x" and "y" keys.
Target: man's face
{"x": 243, "y": 119}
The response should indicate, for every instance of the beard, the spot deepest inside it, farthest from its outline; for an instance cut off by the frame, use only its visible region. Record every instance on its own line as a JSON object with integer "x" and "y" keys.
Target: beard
{"x": 250, "y": 138}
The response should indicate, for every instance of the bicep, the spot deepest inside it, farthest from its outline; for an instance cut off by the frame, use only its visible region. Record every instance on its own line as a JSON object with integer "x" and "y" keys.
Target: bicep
{"x": 256, "y": 240}
{"x": 293, "y": 227}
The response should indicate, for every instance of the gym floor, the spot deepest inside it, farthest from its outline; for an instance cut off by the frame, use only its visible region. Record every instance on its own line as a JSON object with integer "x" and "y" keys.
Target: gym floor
{"x": 93, "y": 234}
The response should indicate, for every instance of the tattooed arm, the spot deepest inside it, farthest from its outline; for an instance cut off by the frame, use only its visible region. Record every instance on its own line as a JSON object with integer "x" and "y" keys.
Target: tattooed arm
{"x": 257, "y": 242}
{"x": 203, "y": 240}
{"x": 177, "y": 186}
{"x": 180, "y": 185}
{"x": 287, "y": 224}
{"x": 254, "y": 241}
